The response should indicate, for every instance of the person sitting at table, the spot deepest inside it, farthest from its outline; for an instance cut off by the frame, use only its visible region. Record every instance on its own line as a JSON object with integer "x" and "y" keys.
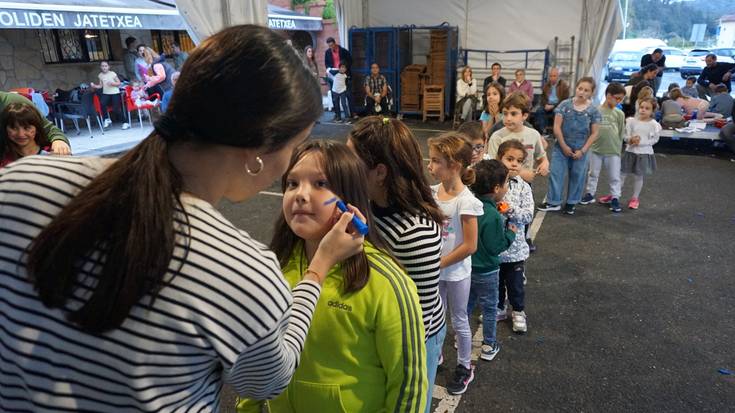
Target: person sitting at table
{"x": 23, "y": 134}
{"x": 690, "y": 105}
{"x": 59, "y": 142}
{"x": 110, "y": 96}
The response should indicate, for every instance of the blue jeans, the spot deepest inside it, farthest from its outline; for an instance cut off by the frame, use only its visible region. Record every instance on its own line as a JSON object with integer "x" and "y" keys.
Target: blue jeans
{"x": 484, "y": 289}
{"x": 433, "y": 350}
{"x": 341, "y": 103}
{"x": 560, "y": 166}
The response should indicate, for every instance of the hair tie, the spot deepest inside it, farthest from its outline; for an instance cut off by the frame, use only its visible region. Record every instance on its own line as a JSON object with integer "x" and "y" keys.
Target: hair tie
{"x": 167, "y": 127}
{"x": 386, "y": 121}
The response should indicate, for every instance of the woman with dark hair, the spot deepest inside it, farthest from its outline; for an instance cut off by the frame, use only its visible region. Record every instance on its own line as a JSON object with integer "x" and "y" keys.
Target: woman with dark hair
{"x": 365, "y": 350}
{"x": 310, "y": 61}
{"x": 24, "y": 132}
{"x": 123, "y": 288}
{"x": 406, "y": 216}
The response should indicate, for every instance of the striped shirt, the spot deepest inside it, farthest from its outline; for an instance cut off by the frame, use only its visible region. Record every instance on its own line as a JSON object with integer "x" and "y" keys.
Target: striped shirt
{"x": 227, "y": 315}
{"x": 416, "y": 243}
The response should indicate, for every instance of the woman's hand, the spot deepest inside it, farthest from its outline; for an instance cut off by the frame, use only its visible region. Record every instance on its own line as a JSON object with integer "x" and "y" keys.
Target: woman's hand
{"x": 60, "y": 148}
{"x": 340, "y": 243}
{"x": 566, "y": 150}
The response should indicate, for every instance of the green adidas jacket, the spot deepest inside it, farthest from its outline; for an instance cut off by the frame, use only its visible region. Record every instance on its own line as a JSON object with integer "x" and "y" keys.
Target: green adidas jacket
{"x": 365, "y": 351}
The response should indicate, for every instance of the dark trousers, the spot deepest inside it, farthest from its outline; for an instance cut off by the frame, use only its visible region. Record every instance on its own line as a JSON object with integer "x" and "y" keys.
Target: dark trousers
{"x": 114, "y": 102}
{"x": 511, "y": 281}
{"x": 341, "y": 102}
{"x": 727, "y": 134}
{"x": 541, "y": 119}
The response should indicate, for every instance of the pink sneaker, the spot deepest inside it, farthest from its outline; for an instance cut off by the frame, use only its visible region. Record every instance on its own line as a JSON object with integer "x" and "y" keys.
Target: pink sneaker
{"x": 605, "y": 199}
{"x": 634, "y": 203}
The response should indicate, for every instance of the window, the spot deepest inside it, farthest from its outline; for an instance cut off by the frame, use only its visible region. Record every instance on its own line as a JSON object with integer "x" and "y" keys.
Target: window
{"x": 163, "y": 41}
{"x": 70, "y": 46}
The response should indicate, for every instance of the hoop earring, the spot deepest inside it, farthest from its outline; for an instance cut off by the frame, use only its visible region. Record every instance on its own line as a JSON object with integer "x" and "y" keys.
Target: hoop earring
{"x": 260, "y": 167}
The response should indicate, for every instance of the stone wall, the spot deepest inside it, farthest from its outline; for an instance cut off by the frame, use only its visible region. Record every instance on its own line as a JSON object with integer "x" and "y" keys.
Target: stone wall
{"x": 22, "y": 65}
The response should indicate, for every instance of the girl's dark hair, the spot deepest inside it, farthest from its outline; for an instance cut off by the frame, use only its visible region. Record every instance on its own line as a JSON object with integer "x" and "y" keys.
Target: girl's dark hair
{"x": 511, "y": 144}
{"x": 24, "y": 115}
{"x": 128, "y": 211}
{"x": 378, "y": 140}
{"x": 347, "y": 178}
{"x": 489, "y": 174}
{"x": 456, "y": 147}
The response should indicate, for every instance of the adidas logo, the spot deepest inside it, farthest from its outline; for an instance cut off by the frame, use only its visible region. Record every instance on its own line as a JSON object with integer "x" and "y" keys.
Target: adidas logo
{"x": 340, "y": 306}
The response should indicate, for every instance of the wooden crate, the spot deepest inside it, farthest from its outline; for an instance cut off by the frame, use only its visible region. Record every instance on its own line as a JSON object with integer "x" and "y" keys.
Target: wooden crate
{"x": 433, "y": 102}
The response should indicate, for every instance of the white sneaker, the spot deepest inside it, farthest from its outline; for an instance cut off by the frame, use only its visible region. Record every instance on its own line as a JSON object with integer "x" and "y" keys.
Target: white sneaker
{"x": 502, "y": 314}
{"x": 126, "y": 126}
{"x": 519, "y": 322}
{"x": 107, "y": 122}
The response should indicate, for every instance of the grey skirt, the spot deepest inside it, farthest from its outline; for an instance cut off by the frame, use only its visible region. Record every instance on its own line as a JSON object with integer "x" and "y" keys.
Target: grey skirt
{"x": 637, "y": 164}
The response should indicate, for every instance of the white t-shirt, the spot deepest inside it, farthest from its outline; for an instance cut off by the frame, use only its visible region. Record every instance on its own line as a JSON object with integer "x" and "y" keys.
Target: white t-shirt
{"x": 649, "y": 131}
{"x": 452, "y": 236}
{"x": 108, "y": 77}
{"x": 529, "y": 137}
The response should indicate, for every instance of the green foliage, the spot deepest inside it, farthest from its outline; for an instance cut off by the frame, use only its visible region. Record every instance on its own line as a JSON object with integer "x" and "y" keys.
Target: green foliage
{"x": 673, "y": 19}
{"x": 297, "y": 2}
{"x": 329, "y": 12}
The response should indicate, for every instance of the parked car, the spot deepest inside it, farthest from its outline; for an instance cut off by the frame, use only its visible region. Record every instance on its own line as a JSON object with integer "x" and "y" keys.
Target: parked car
{"x": 621, "y": 65}
{"x": 694, "y": 63}
{"x": 674, "y": 57}
{"x": 724, "y": 54}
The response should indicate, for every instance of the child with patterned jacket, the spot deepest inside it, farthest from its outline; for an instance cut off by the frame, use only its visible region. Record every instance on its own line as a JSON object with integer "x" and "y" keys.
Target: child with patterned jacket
{"x": 519, "y": 197}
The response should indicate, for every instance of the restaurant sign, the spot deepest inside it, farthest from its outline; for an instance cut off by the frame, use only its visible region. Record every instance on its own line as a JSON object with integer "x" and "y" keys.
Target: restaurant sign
{"x": 39, "y": 19}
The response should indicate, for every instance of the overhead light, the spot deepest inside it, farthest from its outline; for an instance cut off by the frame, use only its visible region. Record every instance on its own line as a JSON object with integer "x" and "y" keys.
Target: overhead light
{"x": 90, "y": 36}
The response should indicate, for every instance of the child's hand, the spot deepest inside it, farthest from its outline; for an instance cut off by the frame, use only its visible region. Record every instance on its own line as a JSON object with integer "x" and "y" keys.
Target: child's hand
{"x": 635, "y": 140}
{"x": 543, "y": 170}
{"x": 567, "y": 151}
{"x": 513, "y": 228}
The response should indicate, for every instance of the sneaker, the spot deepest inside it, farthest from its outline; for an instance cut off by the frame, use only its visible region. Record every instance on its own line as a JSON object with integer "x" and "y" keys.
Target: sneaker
{"x": 337, "y": 120}
{"x": 634, "y": 203}
{"x": 569, "y": 209}
{"x": 107, "y": 122}
{"x": 531, "y": 245}
{"x": 519, "y": 322}
{"x": 348, "y": 122}
{"x": 587, "y": 199}
{"x": 548, "y": 207}
{"x": 463, "y": 376}
{"x": 615, "y": 205}
{"x": 501, "y": 314}
{"x": 489, "y": 351}
{"x": 524, "y": 278}
{"x": 126, "y": 126}
{"x": 605, "y": 199}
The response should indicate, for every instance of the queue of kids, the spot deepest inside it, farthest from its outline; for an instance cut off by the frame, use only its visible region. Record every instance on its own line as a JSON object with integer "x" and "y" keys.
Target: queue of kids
{"x": 430, "y": 255}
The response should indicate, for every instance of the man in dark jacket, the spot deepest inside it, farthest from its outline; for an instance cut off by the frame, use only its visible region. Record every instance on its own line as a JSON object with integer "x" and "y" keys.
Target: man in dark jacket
{"x": 554, "y": 92}
{"x": 712, "y": 75}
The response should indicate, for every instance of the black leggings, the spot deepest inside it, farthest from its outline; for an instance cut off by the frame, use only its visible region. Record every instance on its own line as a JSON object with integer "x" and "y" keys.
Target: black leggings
{"x": 114, "y": 101}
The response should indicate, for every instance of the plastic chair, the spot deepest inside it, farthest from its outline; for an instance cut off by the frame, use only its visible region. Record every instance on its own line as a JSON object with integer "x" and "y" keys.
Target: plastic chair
{"x": 130, "y": 106}
{"x": 75, "y": 111}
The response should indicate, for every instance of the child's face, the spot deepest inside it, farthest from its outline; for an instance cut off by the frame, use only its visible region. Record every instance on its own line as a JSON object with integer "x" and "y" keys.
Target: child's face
{"x": 613, "y": 100}
{"x": 584, "y": 90}
{"x": 478, "y": 149}
{"x": 513, "y": 118}
{"x": 104, "y": 66}
{"x": 438, "y": 165}
{"x": 645, "y": 110}
{"x": 501, "y": 190}
{"x": 513, "y": 160}
{"x": 493, "y": 96}
{"x": 22, "y": 136}
{"x": 342, "y": 69}
{"x": 690, "y": 83}
{"x": 306, "y": 191}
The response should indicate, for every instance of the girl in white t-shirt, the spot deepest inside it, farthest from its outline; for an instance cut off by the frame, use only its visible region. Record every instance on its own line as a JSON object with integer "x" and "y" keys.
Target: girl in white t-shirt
{"x": 110, "y": 96}
{"x": 450, "y": 157}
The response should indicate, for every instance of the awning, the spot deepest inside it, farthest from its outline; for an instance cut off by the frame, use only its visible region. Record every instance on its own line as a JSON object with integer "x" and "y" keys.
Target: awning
{"x": 285, "y": 19}
{"x": 99, "y": 14}
{"x": 123, "y": 15}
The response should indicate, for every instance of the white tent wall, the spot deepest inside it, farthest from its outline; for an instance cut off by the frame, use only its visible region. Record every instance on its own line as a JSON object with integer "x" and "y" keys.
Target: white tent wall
{"x": 510, "y": 25}
{"x": 203, "y": 18}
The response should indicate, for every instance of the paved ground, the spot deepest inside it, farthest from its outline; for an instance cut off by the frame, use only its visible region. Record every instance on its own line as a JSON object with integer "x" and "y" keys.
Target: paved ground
{"x": 628, "y": 312}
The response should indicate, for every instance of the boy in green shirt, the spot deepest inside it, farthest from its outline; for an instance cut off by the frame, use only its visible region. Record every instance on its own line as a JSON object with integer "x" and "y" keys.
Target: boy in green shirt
{"x": 606, "y": 149}
{"x": 493, "y": 237}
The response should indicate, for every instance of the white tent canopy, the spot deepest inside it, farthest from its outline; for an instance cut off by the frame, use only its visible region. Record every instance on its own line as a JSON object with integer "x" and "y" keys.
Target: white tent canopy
{"x": 531, "y": 24}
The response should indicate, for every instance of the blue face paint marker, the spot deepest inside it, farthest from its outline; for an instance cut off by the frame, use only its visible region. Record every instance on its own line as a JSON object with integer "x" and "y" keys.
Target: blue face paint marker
{"x": 360, "y": 226}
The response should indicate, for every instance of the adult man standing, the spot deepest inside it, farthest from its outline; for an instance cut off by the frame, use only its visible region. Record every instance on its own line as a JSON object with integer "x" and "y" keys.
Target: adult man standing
{"x": 180, "y": 56}
{"x": 659, "y": 59}
{"x": 553, "y": 92}
{"x": 713, "y": 74}
{"x": 645, "y": 77}
{"x": 129, "y": 59}
{"x": 376, "y": 89}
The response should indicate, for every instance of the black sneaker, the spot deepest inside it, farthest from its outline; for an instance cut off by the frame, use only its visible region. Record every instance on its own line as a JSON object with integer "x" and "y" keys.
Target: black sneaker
{"x": 587, "y": 199}
{"x": 548, "y": 207}
{"x": 569, "y": 209}
{"x": 461, "y": 380}
{"x": 531, "y": 245}
{"x": 615, "y": 205}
